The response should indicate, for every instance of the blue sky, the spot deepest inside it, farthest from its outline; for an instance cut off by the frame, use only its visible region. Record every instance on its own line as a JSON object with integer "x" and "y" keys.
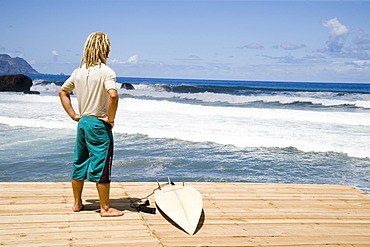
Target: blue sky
{"x": 244, "y": 40}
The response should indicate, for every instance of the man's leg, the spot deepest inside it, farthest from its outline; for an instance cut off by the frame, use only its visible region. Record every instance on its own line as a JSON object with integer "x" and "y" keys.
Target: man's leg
{"x": 105, "y": 209}
{"x": 77, "y": 186}
{"x": 79, "y": 167}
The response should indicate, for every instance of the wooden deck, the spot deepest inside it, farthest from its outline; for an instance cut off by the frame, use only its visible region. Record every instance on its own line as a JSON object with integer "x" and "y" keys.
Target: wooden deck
{"x": 235, "y": 214}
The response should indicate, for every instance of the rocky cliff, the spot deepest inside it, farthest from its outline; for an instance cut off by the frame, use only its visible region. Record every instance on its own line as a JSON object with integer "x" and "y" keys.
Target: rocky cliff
{"x": 15, "y": 65}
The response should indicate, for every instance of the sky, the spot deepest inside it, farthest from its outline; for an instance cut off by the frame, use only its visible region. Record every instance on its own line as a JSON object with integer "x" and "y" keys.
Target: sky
{"x": 308, "y": 41}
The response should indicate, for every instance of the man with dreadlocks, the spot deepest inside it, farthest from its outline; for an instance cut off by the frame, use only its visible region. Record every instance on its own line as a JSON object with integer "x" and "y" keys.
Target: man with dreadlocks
{"x": 95, "y": 86}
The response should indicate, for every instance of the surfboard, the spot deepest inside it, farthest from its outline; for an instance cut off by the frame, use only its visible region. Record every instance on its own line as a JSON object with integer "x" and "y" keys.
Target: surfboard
{"x": 182, "y": 203}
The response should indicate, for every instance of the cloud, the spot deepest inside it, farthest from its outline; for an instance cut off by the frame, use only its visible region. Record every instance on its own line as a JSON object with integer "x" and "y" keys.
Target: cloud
{"x": 114, "y": 61}
{"x": 356, "y": 52}
{"x": 133, "y": 59}
{"x": 13, "y": 53}
{"x": 315, "y": 67}
{"x": 190, "y": 59}
{"x": 150, "y": 68}
{"x": 358, "y": 46}
{"x": 55, "y": 54}
{"x": 308, "y": 59}
{"x": 16, "y": 53}
{"x": 362, "y": 63}
{"x": 193, "y": 57}
{"x": 364, "y": 42}
{"x": 346, "y": 43}
{"x": 336, "y": 28}
{"x": 337, "y": 34}
{"x": 361, "y": 40}
{"x": 290, "y": 46}
{"x": 256, "y": 46}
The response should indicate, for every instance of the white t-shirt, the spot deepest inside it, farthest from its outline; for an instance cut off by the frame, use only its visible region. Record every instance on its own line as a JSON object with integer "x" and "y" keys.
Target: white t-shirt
{"x": 91, "y": 86}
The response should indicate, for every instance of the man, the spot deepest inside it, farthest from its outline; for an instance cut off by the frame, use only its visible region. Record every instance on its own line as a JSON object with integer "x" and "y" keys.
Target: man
{"x": 95, "y": 86}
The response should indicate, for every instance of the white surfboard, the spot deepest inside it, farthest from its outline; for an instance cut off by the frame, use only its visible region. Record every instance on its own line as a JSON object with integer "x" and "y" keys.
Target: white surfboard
{"x": 182, "y": 203}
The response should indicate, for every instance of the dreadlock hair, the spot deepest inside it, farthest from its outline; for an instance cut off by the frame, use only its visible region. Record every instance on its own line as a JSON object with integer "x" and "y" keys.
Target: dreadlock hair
{"x": 96, "y": 50}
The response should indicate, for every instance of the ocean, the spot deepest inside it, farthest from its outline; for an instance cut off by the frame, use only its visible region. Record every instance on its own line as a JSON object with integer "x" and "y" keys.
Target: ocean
{"x": 200, "y": 130}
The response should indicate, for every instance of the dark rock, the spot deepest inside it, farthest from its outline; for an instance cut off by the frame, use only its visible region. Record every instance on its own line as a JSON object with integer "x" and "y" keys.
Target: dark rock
{"x": 15, "y": 83}
{"x": 31, "y": 92}
{"x": 127, "y": 86}
{"x": 15, "y": 65}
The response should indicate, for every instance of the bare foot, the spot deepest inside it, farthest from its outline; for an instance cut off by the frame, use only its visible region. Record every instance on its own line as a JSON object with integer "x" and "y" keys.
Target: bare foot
{"x": 111, "y": 212}
{"x": 78, "y": 208}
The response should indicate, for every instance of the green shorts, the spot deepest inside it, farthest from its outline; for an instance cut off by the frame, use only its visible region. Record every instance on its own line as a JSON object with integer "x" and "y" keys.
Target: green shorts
{"x": 93, "y": 151}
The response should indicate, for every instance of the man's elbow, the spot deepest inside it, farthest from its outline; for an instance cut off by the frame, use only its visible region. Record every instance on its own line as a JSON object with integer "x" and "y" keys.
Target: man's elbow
{"x": 62, "y": 93}
{"x": 113, "y": 94}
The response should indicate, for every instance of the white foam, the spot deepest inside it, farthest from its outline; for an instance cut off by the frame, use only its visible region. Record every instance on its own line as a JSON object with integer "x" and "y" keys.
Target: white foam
{"x": 49, "y": 88}
{"x": 158, "y": 92}
{"x": 305, "y": 130}
{"x": 321, "y": 98}
{"x": 346, "y": 132}
{"x": 36, "y": 123}
{"x": 37, "y": 81}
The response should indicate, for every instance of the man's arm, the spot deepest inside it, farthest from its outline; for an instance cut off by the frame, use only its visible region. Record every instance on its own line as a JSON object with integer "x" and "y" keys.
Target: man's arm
{"x": 112, "y": 106}
{"x": 65, "y": 99}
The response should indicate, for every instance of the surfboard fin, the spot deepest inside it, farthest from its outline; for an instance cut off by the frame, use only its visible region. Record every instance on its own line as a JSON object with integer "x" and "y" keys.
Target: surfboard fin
{"x": 170, "y": 182}
{"x": 159, "y": 186}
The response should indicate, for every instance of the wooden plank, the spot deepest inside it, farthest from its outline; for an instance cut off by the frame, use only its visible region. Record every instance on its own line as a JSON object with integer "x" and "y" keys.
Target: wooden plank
{"x": 235, "y": 214}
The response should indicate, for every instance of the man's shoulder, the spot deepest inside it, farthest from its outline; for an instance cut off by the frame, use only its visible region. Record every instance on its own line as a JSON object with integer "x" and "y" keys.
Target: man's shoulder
{"x": 79, "y": 69}
{"x": 106, "y": 67}
{"x": 108, "y": 70}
